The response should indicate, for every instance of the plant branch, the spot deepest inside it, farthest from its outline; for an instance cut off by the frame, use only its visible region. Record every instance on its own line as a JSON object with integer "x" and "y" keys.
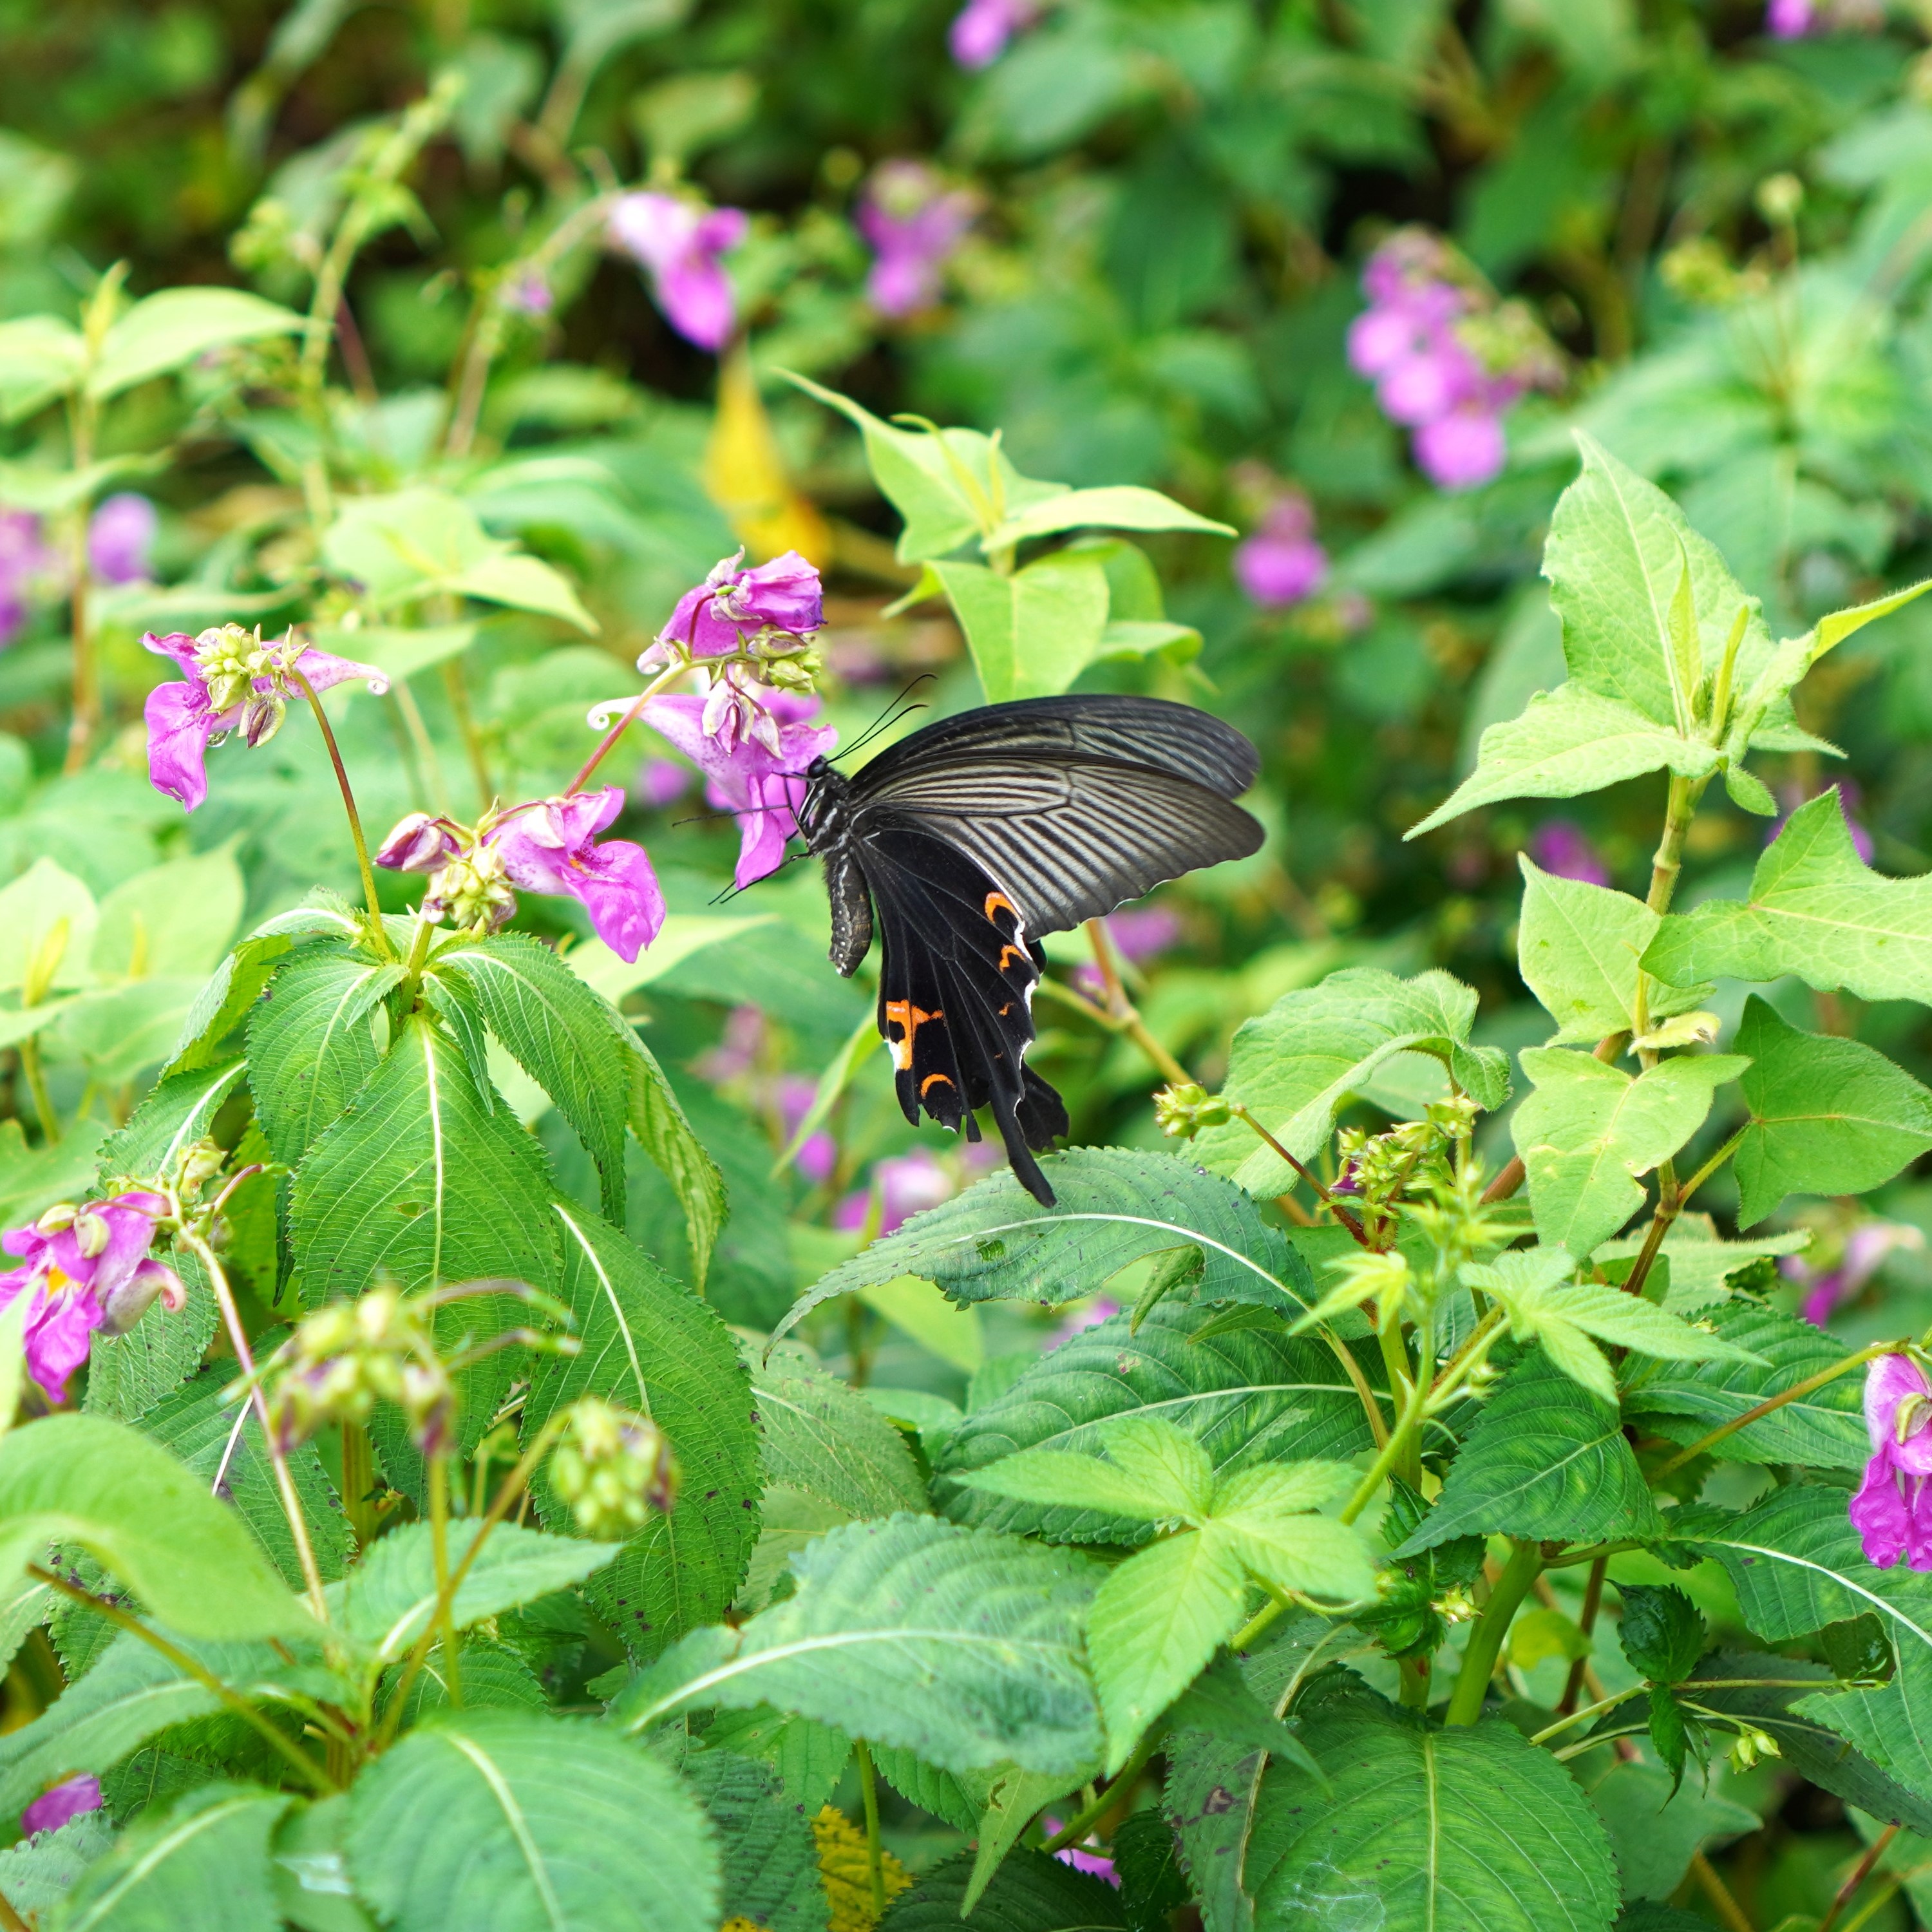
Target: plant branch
{"x": 312, "y": 1774}
{"x": 1765, "y": 1408}
{"x": 438, "y": 1543}
{"x": 1486, "y": 1640}
{"x": 1122, "y": 1783}
{"x": 378, "y": 933}
{"x": 1727, "y": 1908}
{"x": 624, "y": 723}
{"x": 1860, "y": 1872}
{"x": 868, "y": 1793}
{"x": 1586, "y": 1622}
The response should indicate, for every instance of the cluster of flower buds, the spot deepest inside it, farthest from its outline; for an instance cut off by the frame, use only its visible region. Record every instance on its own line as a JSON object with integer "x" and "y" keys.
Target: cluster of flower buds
{"x": 345, "y": 1358}
{"x": 1448, "y": 359}
{"x": 1182, "y": 1110}
{"x": 614, "y": 1469}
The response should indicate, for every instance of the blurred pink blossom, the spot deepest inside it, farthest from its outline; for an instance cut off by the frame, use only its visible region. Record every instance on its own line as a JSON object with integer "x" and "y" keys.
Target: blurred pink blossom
{"x": 67, "y": 1800}
{"x": 1866, "y": 1249}
{"x": 982, "y": 28}
{"x": 660, "y": 782}
{"x": 1280, "y": 563}
{"x": 904, "y": 1185}
{"x": 914, "y": 222}
{"x": 119, "y": 537}
{"x": 679, "y": 244}
{"x": 1561, "y": 846}
{"x": 818, "y": 1156}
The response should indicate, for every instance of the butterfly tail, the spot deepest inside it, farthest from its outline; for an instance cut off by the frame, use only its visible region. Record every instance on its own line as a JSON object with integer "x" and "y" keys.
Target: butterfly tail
{"x": 1035, "y": 1120}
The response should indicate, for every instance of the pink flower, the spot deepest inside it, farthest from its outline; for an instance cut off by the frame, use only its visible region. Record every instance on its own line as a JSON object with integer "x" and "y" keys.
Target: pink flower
{"x": 914, "y": 224}
{"x": 1423, "y": 388}
{"x": 736, "y": 1052}
{"x": 1281, "y": 564}
{"x": 1788, "y": 19}
{"x": 231, "y": 678}
{"x": 68, "y": 1800}
{"x": 1461, "y": 450}
{"x": 679, "y": 245}
{"x": 1097, "y": 1864}
{"x": 981, "y": 29}
{"x": 1141, "y": 933}
{"x": 86, "y": 1268}
{"x": 529, "y": 294}
{"x": 23, "y": 558}
{"x": 1865, "y": 1251}
{"x": 745, "y": 773}
{"x": 732, "y": 605}
{"x": 120, "y": 537}
{"x": 660, "y": 782}
{"x": 1561, "y": 846}
{"x": 905, "y": 1185}
{"x": 544, "y": 846}
{"x": 1892, "y": 1511}
{"x": 819, "y": 1155}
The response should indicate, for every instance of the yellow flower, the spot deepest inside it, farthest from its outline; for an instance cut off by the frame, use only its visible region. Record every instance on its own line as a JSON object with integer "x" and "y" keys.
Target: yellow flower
{"x": 847, "y": 1873}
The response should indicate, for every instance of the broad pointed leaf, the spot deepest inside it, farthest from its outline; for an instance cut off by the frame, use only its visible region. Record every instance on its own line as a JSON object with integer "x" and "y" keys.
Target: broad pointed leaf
{"x": 1033, "y": 631}
{"x": 312, "y": 1042}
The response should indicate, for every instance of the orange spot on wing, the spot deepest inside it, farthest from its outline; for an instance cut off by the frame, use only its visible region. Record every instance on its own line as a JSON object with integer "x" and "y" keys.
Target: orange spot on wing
{"x": 1013, "y": 953}
{"x": 946, "y": 1079}
{"x": 995, "y": 900}
{"x": 908, "y": 1018}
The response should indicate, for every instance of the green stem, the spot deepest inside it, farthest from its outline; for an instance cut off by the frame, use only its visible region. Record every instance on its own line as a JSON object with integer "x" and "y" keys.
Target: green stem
{"x": 1765, "y": 1408}
{"x": 1588, "y": 1711}
{"x": 868, "y": 1791}
{"x": 358, "y": 1480}
{"x": 36, "y": 1078}
{"x": 379, "y": 934}
{"x": 438, "y": 1543}
{"x": 458, "y": 692}
{"x": 1670, "y": 1202}
{"x": 1486, "y": 1640}
{"x": 1668, "y": 860}
{"x": 1122, "y": 1785}
{"x": 312, "y": 1774}
{"x": 1396, "y": 1450}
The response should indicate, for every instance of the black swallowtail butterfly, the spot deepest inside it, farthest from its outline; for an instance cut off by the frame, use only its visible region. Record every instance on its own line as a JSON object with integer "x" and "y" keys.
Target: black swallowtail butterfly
{"x": 966, "y": 841}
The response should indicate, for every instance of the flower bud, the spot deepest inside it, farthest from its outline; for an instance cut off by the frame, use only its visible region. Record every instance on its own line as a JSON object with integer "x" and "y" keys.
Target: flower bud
{"x": 472, "y": 892}
{"x": 262, "y": 716}
{"x": 1751, "y": 1744}
{"x": 90, "y": 1235}
{"x": 1183, "y": 1110}
{"x": 797, "y": 670}
{"x": 198, "y": 1165}
{"x": 614, "y": 1468}
{"x": 62, "y": 1214}
{"x": 420, "y": 844}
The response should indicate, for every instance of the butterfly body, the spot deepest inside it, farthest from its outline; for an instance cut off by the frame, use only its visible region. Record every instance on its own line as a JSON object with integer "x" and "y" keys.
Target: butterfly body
{"x": 962, "y": 844}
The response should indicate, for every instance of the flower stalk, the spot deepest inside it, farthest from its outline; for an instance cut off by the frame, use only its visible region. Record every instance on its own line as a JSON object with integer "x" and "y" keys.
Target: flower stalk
{"x": 378, "y": 935}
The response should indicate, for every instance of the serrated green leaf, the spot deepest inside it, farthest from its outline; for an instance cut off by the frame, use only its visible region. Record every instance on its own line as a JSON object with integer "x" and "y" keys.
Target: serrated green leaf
{"x": 994, "y": 1242}
{"x": 38, "y": 1872}
{"x": 1661, "y": 1631}
{"x": 1701, "y": 1264}
{"x": 1241, "y": 1397}
{"x": 809, "y": 1758}
{"x": 960, "y": 1646}
{"x": 1285, "y": 1548}
{"x": 1891, "y": 1724}
{"x": 223, "y": 1002}
{"x": 1825, "y": 1428}
{"x": 564, "y": 1036}
{"x": 1827, "y": 1116}
{"x": 820, "y": 1435}
{"x": 1118, "y": 506}
{"x": 658, "y": 1121}
{"x": 1654, "y": 1834}
{"x": 312, "y": 1042}
{"x": 175, "y": 1114}
{"x": 1031, "y": 632}
{"x": 204, "y": 1862}
{"x": 1815, "y": 910}
{"x": 128, "y": 1375}
{"x": 530, "y": 1824}
{"x": 1295, "y": 1065}
{"x": 1547, "y": 1459}
{"x": 1032, "y": 1893}
{"x": 1589, "y": 1128}
{"x": 1577, "y": 949}
{"x": 1467, "y": 1825}
{"x": 1155, "y": 1622}
{"x": 769, "y": 1860}
{"x": 650, "y": 1344}
{"x": 1567, "y": 741}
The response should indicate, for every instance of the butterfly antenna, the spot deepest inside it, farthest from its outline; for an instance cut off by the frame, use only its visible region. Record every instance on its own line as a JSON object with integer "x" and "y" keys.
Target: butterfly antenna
{"x": 890, "y": 716}
{"x": 731, "y": 892}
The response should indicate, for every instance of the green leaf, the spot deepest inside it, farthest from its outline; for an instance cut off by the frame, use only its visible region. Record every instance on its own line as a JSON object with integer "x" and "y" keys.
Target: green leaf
{"x": 1119, "y": 506}
{"x": 994, "y": 1242}
{"x": 1567, "y": 741}
{"x": 311, "y": 1874}
{"x": 1797, "y": 1565}
{"x": 38, "y": 1872}
{"x": 1815, "y": 910}
{"x": 204, "y": 1862}
{"x": 416, "y": 1182}
{"x": 1033, "y": 631}
{"x": 494, "y": 1677}
{"x": 119, "y": 1032}
{"x": 960, "y": 1646}
{"x": 1295, "y": 1065}
{"x": 1661, "y": 1631}
{"x": 1264, "y": 1512}
{"x": 1827, "y": 1116}
{"x": 1469, "y": 1826}
{"x": 1654, "y": 1834}
{"x": 80, "y": 1479}
{"x": 1702, "y": 1267}
{"x": 32, "y": 1179}
{"x": 224, "y": 1001}
{"x": 809, "y": 1758}
{"x": 165, "y": 330}
{"x": 1891, "y": 1724}
{"x": 1154, "y": 1473}
{"x": 769, "y": 1857}
{"x": 177, "y": 1113}
{"x": 1577, "y": 949}
{"x": 195, "y": 1423}
{"x": 385, "y": 1603}
{"x": 1032, "y": 1893}
{"x": 174, "y": 919}
{"x": 1241, "y": 1396}
{"x": 312, "y": 1042}
{"x": 820, "y": 1435}
{"x": 530, "y": 1824}
{"x": 1619, "y": 550}
{"x": 1545, "y": 1459}
{"x": 41, "y": 357}
{"x": 1589, "y": 1128}
{"x": 658, "y": 1122}
{"x": 128, "y": 1375}
{"x": 566, "y": 1038}
{"x": 1155, "y": 1622}
{"x": 649, "y": 1344}
{"x": 1014, "y": 1798}
{"x": 1824, "y": 1430}
{"x": 31, "y": 907}
{"x": 523, "y": 583}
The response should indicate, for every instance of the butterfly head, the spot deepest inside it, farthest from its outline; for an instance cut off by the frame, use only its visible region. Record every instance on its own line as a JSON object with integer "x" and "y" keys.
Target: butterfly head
{"x": 822, "y": 810}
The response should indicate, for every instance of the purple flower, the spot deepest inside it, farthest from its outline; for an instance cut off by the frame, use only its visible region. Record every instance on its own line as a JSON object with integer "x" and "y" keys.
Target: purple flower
{"x": 86, "y": 1268}
{"x": 679, "y": 245}
{"x": 738, "y": 1048}
{"x": 527, "y": 293}
{"x": 914, "y": 224}
{"x": 67, "y": 1800}
{"x": 1141, "y": 933}
{"x": 1788, "y": 19}
{"x": 1561, "y": 846}
{"x": 1865, "y": 1251}
{"x": 1892, "y": 1512}
{"x": 904, "y": 1185}
{"x": 231, "y": 679}
{"x": 746, "y": 773}
{"x": 732, "y": 606}
{"x": 23, "y": 557}
{"x": 981, "y": 29}
{"x": 120, "y": 537}
{"x": 1461, "y": 450}
{"x": 661, "y": 782}
{"x": 544, "y": 846}
{"x": 1097, "y": 1864}
{"x": 1281, "y": 563}
{"x": 819, "y": 1155}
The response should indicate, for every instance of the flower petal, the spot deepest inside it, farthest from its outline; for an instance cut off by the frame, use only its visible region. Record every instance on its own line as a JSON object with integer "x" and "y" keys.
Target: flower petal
{"x": 180, "y": 723}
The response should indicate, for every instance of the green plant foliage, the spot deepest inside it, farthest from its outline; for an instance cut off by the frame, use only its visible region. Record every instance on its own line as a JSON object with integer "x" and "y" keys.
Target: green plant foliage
{"x": 1031, "y": 1893}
